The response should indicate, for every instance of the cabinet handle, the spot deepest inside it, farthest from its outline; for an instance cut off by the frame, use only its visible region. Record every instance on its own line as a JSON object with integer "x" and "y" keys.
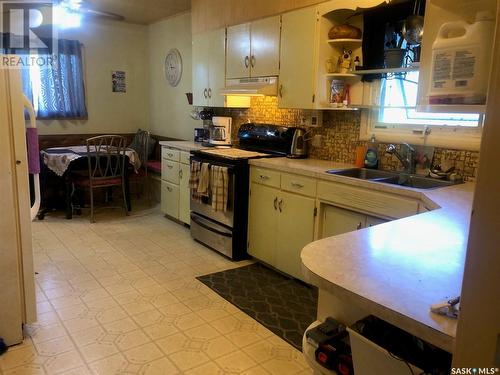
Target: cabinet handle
{"x": 264, "y": 177}
{"x": 205, "y": 93}
{"x": 276, "y": 203}
{"x": 297, "y": 185}
{"x": 170, "y": 166}
{"x": 252, "y": 61}
{"x": 169, "y": 188}
{"x": 247, "y": 61}
{"x": 359, "y": 226}
{"x": 170, "y": 155}
{"x": 209, "y": 93}
{"x": 280, "y": 205}
{"x": 180, "y": 173}
{"x": 280, "y": 91}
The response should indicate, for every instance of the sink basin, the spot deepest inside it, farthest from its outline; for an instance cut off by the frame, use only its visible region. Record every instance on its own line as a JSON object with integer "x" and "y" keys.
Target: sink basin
{"x": 393, "y": 178}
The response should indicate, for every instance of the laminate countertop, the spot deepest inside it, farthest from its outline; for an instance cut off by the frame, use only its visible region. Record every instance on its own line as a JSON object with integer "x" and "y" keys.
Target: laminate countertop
{"x": 182, "y": 145}
{"x": 398, "y": 269}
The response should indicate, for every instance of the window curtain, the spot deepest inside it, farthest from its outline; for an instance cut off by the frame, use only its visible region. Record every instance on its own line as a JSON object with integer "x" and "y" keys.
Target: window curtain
{"x": 25, "y": 72}
{"x": 61, "y": 91}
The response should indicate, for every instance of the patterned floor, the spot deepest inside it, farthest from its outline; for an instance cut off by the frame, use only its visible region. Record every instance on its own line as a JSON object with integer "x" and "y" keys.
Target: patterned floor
{"x": 283, "y": 305}
{"x": 120, "y": 297}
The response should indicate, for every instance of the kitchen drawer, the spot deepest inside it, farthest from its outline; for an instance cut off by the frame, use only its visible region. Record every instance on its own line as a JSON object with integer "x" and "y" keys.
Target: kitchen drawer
{"x": 298, "y": 184}
{"x": 170, "y": 199}
{"x": 170, "y": 154}
{"x": 265, "y": 176}
{"x": 170, "y": 171}
{"x": 184, "y": 157}
{"x": 369, "y": 201}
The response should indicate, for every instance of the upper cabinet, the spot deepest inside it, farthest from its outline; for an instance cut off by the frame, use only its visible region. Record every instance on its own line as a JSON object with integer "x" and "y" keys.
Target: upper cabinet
{"x": 298, "y": 62}
{"x": 209, "y": 68}
{"x": 253, "y": 49}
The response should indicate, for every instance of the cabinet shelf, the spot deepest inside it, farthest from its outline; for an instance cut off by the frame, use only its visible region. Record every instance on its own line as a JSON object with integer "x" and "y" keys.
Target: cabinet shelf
{"x": 453, "y": 108}
{"x": 345, "y": 41}
{"x": 412, "y": 68}
{"x": 342, "y": 75}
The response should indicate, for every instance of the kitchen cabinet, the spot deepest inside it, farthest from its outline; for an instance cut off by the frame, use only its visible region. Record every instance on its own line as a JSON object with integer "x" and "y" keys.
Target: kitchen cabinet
{"x": 338, "y": 220}
{"x": 281, "y": 222}
{"x": 297, "y": 59}
{"x": 209, "y": 68}
{"x": 175, "y": 193}
{"x": 253, "y": 49}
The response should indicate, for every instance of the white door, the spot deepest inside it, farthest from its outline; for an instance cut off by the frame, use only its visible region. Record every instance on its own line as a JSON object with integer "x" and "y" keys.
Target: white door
{"x": 184, "y": 194}
{"x": 297, "y": 59}
{"x": 238, "y": 51}
{"x": 217, "y": 67}
{"x": 265, "y": 47}
{"x": 200, "y": 69}
{"x": 295, "y": 230}
{"x": 263, "y": 223}
{"x": 337, "y": 220}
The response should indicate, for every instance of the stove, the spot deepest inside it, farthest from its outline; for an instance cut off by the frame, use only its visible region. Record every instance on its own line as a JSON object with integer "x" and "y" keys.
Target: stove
{"x": 226, "y": 230}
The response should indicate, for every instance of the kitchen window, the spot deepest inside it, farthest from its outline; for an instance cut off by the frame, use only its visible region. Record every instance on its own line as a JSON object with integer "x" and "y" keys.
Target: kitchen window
{"x": 396, "y": 118}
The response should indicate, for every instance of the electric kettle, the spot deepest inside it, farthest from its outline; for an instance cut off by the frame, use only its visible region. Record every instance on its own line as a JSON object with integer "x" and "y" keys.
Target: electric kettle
{"x": 298, "y": 150}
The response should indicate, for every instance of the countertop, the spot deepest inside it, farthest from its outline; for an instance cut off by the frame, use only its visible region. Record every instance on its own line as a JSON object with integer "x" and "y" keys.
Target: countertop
{"x": 398, "y": 269}
{"x": 182, "y": 145}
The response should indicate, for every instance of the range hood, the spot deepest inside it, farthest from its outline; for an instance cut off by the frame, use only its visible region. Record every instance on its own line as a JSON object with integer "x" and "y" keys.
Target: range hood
{"x": 258, "y": 86}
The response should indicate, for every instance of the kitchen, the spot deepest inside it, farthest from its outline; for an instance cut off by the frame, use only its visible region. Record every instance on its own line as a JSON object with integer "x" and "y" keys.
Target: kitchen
{"x": 286, "y": 210}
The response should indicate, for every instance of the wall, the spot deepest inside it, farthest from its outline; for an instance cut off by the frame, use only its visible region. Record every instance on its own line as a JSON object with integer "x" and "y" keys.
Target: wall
{"x": 168, "y": 105}
{"x": 109, "y": 46}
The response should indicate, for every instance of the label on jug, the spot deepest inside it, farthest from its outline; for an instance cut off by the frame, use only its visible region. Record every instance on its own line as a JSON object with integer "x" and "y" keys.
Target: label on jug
{"x": 454, "y": 69}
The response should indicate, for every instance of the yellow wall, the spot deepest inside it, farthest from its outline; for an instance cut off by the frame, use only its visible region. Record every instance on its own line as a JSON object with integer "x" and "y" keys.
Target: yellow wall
{"x": 110, "y": 46}
{"x": 168, "y": 105}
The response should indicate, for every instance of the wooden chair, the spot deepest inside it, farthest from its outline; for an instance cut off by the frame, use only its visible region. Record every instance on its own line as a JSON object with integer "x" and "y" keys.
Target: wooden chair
{"x": 141, "y": 145}
{"x": 106, "y": 167}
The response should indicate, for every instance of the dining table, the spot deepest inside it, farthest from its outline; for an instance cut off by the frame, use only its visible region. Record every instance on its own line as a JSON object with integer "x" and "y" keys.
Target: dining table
{"x": 63, "y": 162}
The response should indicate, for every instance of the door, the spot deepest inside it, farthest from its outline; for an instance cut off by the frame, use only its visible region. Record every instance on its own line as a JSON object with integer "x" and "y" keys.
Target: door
{"x": 265, "y": 47}
{"x": 170, "y": 199}
{"x": 337, "y": 220}
{"x": 263, "y": 222}
{"x": 200, "y": 70}
{"x": 184, "y": 193}
{"x": 238, "y": 51}
{"x": 297, "y": 67}
{"x": 295, "y": 230}
{"x": 216, "y": 67}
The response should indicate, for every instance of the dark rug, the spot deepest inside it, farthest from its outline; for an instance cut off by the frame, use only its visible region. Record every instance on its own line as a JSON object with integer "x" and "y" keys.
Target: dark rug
{"x": 283, "y": 305}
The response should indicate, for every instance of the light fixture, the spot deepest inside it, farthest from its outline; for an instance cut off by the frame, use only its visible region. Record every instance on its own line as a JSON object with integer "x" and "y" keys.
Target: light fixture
{"x": 67, "y": 14}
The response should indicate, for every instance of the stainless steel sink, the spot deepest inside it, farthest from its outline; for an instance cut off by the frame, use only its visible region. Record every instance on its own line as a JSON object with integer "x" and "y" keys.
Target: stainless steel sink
{"x": 393, "y": 178}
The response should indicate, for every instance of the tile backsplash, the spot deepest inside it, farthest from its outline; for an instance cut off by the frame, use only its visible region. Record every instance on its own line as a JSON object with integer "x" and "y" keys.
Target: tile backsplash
{"x": 340, "y": 132}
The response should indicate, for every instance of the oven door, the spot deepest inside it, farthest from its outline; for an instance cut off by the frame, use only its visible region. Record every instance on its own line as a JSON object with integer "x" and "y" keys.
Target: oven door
{"x": 212, "y": 234}
{"x": 204, "y": 207}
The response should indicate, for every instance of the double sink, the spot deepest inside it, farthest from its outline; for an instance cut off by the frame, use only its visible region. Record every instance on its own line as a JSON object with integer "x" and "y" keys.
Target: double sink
{"x": 393, "y": 178}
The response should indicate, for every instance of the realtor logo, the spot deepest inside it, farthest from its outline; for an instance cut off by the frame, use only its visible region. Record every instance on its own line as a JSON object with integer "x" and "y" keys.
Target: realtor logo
{"x": 27, "y": 27}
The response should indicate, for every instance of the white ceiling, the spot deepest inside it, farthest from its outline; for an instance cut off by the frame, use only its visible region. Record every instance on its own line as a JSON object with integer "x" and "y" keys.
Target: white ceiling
{"x": 140, "y": 11}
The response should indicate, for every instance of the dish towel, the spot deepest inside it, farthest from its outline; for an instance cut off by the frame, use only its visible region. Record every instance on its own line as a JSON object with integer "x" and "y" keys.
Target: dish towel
{"x": 194, "y": 180}
{"x": 219, "y": 184}
{"x": 204, "y": 183}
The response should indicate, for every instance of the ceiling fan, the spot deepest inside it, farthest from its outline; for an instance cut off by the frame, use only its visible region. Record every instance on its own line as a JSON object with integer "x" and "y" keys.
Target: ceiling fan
{"x": 78, "y": 7}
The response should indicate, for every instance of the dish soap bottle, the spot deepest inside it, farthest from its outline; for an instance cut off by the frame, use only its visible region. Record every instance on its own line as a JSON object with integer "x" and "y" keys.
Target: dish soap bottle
{"x": 371, "y": 156}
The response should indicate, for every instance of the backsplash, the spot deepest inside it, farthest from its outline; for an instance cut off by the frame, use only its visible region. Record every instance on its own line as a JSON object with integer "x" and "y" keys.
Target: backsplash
{"x": 340, "y": 133}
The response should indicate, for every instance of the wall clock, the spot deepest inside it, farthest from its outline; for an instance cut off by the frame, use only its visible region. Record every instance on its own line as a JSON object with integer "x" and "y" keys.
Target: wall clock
{"x": 173, "y": 67}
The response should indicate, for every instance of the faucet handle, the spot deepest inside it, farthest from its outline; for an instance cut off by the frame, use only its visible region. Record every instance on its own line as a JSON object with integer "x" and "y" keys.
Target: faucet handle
{"x": 390, "y": 149}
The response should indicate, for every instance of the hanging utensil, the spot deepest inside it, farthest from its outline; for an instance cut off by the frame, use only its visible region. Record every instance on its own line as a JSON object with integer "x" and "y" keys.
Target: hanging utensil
{"x": 413, "y": 27}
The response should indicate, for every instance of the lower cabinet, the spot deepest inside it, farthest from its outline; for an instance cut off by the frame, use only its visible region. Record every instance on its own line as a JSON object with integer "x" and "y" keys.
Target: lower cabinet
{"x": 280, "y": 225}
{"x": 170, "y": 199}
{"x": 184, "y": 193}
{"x": 338, "y": 220}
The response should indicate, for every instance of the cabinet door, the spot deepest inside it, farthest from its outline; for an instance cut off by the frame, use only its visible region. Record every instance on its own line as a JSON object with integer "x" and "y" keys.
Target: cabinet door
{"x": 372, "y": 221}
{"x": 263, "y": 222}
{"x": 238, "y": 51}
{"x": 184, "y": 194}
{"x": 265, "y": 47}
{"x": 297, "y": 68}
{"x": 295, "y": 230}
{"x": 170, "y": 199}
{"x": 200, "y": 70}
{"x": 337, "y": 220}
{"x": 217, "y": 67}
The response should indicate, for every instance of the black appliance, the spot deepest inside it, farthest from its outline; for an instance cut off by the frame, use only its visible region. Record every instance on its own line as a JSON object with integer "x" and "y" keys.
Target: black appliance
{"x": 226, "y": 231}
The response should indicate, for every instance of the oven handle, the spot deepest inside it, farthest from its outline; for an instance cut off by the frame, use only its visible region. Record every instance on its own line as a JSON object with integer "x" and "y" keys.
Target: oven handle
{"x": 217, "y": 163}
{"x": 208, "y": 227}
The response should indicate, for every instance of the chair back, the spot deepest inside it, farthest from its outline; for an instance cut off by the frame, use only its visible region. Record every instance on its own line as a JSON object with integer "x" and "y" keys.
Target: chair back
{"x": 142, "y": 137}
{"x": 106, "y": 157}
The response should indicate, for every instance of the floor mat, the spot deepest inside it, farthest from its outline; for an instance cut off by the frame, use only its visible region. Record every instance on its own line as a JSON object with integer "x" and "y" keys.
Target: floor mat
{"x": 285, "y": 306}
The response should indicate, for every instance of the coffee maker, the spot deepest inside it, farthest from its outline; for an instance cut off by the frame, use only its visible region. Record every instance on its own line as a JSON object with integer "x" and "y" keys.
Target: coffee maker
{"x": 220, "y": 131}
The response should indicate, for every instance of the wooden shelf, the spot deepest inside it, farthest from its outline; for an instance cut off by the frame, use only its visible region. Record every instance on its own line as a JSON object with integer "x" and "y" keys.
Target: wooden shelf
{"x": 345, "y": 41}
{"x": 452, "y": 108}
{"x": 413, "y": 68}
{"x": 328, "y": 108}
{"x": 342, "y": 75}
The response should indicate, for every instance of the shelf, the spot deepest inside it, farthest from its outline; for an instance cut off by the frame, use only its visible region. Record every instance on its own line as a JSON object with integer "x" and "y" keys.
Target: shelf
{"x": 345, "y": 41}
{"x": 413, "y": 68}
{"x": 453, "y": 108}
{"x": 342, "y": 75}
{"x": 327, "y": 108}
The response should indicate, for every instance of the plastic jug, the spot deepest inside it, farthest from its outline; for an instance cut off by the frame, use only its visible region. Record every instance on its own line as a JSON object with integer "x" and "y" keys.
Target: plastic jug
{"x": 461, "y": 59}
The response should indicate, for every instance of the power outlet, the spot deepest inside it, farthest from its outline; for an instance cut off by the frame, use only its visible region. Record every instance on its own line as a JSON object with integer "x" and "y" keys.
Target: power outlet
{"x": 312, "y": 118}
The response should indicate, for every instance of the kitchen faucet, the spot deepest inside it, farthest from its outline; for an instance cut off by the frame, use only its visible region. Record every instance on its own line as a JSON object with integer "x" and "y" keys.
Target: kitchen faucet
{"x": 408, "y": 161}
